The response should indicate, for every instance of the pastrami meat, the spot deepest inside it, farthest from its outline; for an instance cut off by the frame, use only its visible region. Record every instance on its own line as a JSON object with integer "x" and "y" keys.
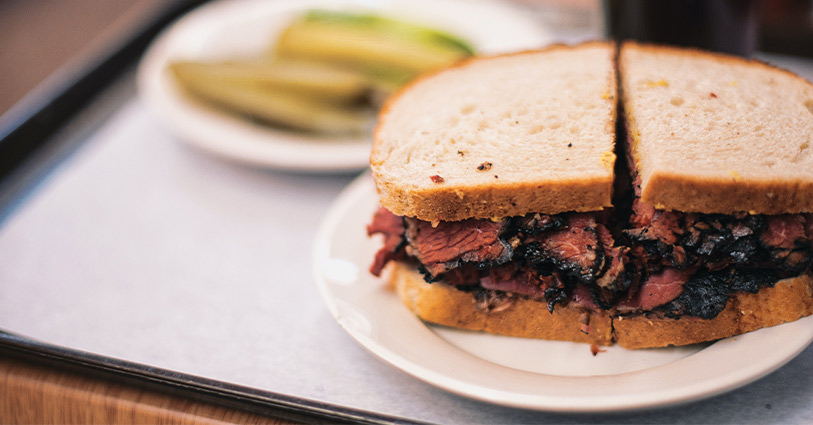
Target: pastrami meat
{"x": 668, "y": 262}
{"x": 539, "y": 256}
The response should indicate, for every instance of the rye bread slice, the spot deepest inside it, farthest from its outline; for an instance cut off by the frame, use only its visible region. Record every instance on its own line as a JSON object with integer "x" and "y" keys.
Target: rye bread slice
{"x": 501, "y": 136}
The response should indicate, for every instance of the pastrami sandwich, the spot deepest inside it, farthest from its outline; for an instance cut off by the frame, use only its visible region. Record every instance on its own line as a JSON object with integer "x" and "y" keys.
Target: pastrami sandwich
{"x": 504, "y": 209}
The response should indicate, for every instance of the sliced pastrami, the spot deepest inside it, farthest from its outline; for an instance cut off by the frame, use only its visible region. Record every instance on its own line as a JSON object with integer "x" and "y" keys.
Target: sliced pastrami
{"x": 534, "y": 224}
{"x": 465, "y": 275}
{"x": 808, "y": 225}
{"x": 785, "y": 237}
{"x": 614, "y": 278}
{"x": 656, "y": 225}
{"x": 783, "y": 231}
{"x": 717, "y": 241}
{"x": 392, "y": 227}
{"x": 706, "y": 293}
{"x": 615, "y": 260}
{"x": 685, "y": 240}
{"x": 658, "y": 289}
{"x": 674, "y": 262}
{"x": 574, "y": 249}
{"x": 520, "y": 281}
{"x": 583, "y": 298}
{"x": 449, "y": 244}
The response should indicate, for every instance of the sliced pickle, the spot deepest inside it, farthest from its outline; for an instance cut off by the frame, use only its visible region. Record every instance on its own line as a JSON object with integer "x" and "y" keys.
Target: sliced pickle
{"x": 312, "y": 79}
{"x": 348, "y": 42}
{"x": 393, "y": 27}
{"x": 281, "y": 106}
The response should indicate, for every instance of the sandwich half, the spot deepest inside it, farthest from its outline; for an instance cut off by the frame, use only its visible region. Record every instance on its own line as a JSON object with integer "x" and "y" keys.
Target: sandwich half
{"x": 720, "y": 154}
{"x": 494, "y": 179}
{"x": 504, "y": 208}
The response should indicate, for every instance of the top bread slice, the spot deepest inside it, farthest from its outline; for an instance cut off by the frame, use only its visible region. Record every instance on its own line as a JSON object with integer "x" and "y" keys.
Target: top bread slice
{"x": 501, "y": 136}
{"x": 717, "y": 134}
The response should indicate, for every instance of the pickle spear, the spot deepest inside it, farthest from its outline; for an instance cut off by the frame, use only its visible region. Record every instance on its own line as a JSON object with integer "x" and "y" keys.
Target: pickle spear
{"x": 226, "y": 86}
{"x": 370, "y": 41}
{"x": 311, "y": 79}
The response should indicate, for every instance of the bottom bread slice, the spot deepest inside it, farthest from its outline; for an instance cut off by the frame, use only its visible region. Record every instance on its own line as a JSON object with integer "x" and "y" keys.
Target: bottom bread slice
{"x": 445, "y": 305}
{"x": 788, "y": 300}
{"x": 438, "y": 303}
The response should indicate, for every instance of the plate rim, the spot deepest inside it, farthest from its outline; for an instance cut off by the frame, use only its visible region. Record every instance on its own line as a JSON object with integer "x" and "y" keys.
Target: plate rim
{"x": 700, "y": 389}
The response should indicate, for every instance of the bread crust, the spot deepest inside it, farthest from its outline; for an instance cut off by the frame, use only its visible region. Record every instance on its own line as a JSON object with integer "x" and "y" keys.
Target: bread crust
{"x": 445, "y": 305}
{"x": 691, "y": 51}
{"x": 788, "y": 300}
{"x": 444, "y": 203}
{"x": 727, "y": 196}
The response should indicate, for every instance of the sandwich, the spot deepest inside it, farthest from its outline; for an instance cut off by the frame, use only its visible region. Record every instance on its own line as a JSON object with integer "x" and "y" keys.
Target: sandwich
{"x": 599, "y": 194}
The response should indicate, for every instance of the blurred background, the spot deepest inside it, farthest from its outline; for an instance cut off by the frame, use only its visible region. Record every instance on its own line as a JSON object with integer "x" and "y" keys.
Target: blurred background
{"x": 42, "y": 36}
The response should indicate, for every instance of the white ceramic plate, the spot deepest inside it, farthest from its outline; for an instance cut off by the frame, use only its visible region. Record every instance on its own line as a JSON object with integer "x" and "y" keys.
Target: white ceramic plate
{"x": 229, "y": 29}
{"x": 534, "y": 374}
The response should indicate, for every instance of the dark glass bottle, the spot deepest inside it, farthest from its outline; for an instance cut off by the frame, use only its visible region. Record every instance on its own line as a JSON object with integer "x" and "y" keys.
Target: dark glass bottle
{"x": 729, "y": 26}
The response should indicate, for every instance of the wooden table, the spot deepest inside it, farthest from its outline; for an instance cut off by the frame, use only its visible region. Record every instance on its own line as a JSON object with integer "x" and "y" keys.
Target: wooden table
{"x": 40, "y": 391}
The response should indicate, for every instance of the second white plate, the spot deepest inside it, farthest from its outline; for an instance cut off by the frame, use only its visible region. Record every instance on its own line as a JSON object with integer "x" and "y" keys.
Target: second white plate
{"x": 533, "y": 374}
{"x": 228, "y": 29}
